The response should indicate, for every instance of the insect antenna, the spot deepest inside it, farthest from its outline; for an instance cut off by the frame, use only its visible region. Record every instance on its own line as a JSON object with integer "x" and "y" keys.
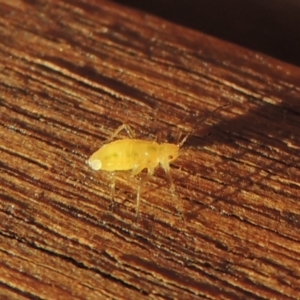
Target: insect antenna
{"x": 204, "y": 119}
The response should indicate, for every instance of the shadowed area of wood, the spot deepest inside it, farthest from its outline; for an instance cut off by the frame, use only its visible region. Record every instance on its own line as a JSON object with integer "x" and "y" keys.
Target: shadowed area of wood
{"x": 71, "y": 73}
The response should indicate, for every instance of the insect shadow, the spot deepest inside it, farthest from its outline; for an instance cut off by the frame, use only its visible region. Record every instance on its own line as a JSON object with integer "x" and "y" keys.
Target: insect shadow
{"x": 135, "y": 155}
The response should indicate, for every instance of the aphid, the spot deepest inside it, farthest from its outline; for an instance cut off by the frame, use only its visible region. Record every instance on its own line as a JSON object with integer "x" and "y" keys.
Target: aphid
{"x": 135, "y": 155}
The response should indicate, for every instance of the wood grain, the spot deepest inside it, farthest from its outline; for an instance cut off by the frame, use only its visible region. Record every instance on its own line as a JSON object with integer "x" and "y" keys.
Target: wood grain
{"x": 71, "y": 73}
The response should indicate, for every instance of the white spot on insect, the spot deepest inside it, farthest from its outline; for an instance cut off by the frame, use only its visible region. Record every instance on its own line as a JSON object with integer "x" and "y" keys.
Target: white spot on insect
{"x": 95, "y": 164}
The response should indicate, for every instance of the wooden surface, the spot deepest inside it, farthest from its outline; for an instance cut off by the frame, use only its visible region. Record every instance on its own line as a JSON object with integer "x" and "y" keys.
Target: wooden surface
{"x": 71, "y": 73}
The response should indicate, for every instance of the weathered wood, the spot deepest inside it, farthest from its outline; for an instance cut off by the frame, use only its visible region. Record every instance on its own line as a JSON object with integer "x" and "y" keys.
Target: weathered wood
{"x": 71, "y": 72}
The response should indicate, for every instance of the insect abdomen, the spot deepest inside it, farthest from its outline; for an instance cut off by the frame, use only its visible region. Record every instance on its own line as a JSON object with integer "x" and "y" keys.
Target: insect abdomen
{"x": 127, "y": 154}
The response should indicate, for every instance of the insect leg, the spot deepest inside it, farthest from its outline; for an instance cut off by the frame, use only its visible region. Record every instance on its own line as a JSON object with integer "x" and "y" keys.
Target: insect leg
{"x": 143, "y": 179}
{"x": 178, "y": 137}
{"x": 159, "y": 137}
{"x": 112, "y": 188}
{"x": 178, "y": 204}
{"x": 120, "y": 128}
{"x": 134, "y": 172}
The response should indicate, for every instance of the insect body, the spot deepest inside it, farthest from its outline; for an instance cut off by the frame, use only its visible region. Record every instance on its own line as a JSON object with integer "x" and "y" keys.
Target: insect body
{"x": 135, "y": 155}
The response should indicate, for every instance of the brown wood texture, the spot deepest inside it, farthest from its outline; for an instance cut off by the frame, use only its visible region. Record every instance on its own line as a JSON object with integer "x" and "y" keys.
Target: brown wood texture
{"x": 71, "y": 73}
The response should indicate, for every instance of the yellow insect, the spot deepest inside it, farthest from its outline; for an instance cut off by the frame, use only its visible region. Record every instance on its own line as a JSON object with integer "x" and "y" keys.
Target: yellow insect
{"x": 135, "y": 155}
